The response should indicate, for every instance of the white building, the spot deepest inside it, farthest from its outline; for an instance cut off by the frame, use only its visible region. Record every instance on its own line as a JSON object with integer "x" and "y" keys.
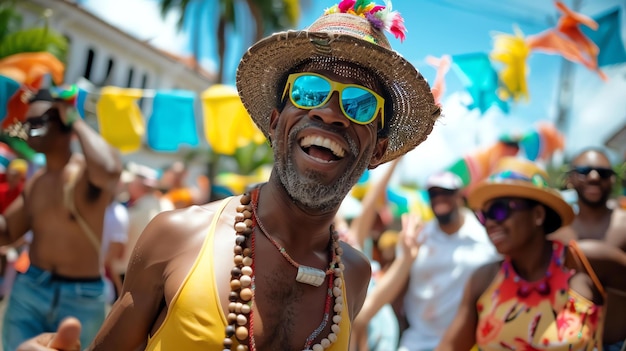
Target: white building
{"x": 102, "y": 55}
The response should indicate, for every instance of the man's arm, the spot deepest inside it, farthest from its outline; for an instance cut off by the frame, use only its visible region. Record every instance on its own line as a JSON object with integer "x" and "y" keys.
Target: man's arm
{"x": 606, "y": 261}
{"x": 104, "y": 164}
{"x": 131, "y": 319}
{"x": 461, "y": 334}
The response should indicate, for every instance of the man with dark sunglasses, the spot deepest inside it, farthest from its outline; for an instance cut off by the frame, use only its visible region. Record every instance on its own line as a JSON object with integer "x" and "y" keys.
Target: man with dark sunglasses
{"x": 450, "y": 248}
{"x": 63, "y": 204}
{"x": 593, "y": 178}
{"x": 266, "y": 271}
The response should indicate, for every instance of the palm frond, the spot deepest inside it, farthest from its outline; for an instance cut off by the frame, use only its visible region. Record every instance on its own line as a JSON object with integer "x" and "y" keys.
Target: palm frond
{"x": 10, "y": 19}
{"x": 34, "y": 40}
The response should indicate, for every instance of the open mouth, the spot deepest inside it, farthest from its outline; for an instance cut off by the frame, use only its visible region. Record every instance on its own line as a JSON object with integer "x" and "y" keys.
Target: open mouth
{"x": 322, "y": 148}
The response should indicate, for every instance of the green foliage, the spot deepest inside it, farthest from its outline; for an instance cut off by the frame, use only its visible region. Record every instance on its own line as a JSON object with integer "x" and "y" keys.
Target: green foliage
{"x": 15, "y": 39}
{"x": 10, "y": 20}
{"x": 34, "y": 40}
{"x": 253, "y": 156}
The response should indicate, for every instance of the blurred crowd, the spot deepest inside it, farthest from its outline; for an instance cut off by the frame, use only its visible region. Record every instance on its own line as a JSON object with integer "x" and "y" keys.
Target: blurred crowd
{"x": 421, "y": 261}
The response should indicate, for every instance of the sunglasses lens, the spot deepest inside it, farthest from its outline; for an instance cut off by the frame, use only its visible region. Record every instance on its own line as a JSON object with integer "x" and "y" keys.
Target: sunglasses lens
{"x": 582, "y": 170}
{"x": 498, "y": 211}
{"x": 359, "y": 104}
{"x": 602, "y": 172}
{"x": 309, "y": 91}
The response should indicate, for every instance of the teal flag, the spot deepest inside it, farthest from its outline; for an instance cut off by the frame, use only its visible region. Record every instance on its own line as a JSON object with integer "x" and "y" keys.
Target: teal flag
{"x": 8, "y": 87}
{"x": 608, "y": 38}
{"x": 172, "y": 123}
{"x": 480, "y": 79}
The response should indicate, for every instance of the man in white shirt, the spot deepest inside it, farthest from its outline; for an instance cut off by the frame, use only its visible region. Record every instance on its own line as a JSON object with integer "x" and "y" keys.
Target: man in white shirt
{"x": 143, "y": 205}
{"x": 452, "y": 246}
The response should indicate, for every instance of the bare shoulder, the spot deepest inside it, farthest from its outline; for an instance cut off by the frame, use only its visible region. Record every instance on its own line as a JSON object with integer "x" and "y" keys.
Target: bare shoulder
{"x": 563, "y": 234}
{"x": 597, "y": 250}
{"x": 483, "y": 277}
{"x": 603, "y": 257}
{"x": 355, "y": 260}
{"x": 172, "y": 231}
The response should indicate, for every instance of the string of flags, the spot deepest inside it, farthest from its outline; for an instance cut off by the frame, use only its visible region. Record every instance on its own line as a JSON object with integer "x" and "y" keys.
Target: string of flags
{"x": 174, "y": 122}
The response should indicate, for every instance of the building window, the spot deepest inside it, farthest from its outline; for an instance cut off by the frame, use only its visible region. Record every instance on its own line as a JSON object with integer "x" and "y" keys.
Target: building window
{"x": 129, "y": 83}
{"x": 108, "y": 77}
{"x": 90, "y": 57}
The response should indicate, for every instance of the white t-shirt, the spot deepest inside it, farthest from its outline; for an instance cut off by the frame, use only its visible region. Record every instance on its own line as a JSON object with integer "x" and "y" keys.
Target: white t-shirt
{"x": 438, "y": 276}
{"x": 115, "y": 226}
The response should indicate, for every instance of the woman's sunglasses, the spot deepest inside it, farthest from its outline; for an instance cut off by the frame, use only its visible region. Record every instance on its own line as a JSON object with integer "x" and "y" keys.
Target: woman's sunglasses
{"x": 501, "y": 210}
{"x": 603, "y": 173}
{"x": 358, "y": 103}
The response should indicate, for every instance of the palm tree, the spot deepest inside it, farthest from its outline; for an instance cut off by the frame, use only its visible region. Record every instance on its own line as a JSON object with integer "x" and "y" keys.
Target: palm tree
{"x": 15, "y": 39}
{"x": 268, "y": 15}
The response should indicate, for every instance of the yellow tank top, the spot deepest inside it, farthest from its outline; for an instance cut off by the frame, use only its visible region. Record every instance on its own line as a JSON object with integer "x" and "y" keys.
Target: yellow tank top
{"x": 537, "y": 316}
{"x": 195, "y": 320}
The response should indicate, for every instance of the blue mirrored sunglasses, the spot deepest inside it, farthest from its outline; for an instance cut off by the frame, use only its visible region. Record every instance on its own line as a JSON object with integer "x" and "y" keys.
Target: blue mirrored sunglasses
{"x": 311, "y": 90}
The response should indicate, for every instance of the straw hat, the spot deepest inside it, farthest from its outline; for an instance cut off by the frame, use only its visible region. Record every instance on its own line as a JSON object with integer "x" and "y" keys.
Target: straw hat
{"x": 514, "y": 177}
{"x": 344, "y": 37}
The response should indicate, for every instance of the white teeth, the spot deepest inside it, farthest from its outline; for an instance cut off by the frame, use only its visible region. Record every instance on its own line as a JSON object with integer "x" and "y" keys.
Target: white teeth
{"x": 311, "y": 140}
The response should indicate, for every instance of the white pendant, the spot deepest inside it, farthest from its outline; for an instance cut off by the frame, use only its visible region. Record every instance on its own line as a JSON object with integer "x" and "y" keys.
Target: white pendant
{"x": 310, "y": 275}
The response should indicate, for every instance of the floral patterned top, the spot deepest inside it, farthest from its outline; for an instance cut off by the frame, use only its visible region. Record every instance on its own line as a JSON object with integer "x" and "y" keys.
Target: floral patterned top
{"x": 545, "y": 315}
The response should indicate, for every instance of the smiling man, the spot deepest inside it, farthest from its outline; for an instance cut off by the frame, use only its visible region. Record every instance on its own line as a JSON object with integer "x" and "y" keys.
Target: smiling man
{"x": 266, "y": 271}
{"x": 593, "y": 178}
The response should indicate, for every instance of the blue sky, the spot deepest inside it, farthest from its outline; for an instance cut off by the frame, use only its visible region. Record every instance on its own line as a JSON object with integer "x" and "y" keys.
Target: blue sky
{"x": 438, "y": 27}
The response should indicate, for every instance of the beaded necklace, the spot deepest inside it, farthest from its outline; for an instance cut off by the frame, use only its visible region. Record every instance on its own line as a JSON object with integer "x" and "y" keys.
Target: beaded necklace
{"x": 242, "y": 283}
{"x": 306, "y": 274}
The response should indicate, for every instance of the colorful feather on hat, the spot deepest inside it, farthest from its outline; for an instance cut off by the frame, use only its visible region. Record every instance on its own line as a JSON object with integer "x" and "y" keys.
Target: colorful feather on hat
{"x": 381, "y": 17}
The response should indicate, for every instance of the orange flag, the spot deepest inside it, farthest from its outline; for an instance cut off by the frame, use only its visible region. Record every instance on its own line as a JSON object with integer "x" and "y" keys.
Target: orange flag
{"x": 442, "y": 65}
{"x": 567, "y": 40}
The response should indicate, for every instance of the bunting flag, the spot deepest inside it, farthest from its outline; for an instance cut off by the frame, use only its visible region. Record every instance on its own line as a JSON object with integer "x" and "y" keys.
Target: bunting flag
{"x": 402, "y": 199}
{"x": 227, "y": 124}
{"x": 568, "y": 40}
{"x": 119, "y": 118}
{"x": 80, "y": 102}
{"x": 541, "y": 142}
{"x": 607, "y": 37}
{"x": 475, "y": 166}
{"x": 8, "y": 87}
{"x": 442, "y": 65}
{"x": 480, "y": 79}
{"x": 172, "y": 123}
{"x": 512, "y": 52}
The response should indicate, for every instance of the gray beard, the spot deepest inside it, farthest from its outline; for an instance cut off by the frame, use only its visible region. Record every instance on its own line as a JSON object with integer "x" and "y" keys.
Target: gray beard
{"x": 307, "y": 190}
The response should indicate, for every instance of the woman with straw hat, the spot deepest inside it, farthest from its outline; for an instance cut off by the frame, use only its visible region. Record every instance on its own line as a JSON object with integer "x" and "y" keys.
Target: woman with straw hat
{"x": 544, "y": 295}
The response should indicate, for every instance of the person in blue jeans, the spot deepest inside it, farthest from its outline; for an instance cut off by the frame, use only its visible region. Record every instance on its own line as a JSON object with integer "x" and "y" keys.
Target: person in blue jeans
{"x": 63, "y": 204}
